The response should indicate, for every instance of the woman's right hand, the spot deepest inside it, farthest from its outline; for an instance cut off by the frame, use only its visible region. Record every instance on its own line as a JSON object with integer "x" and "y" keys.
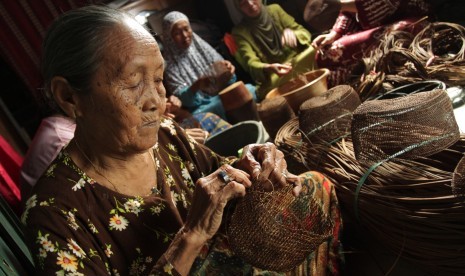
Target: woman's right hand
{"x": 210, "y": 197}
{"x": 325, "y": 39}
{"x": 278, "y": 68}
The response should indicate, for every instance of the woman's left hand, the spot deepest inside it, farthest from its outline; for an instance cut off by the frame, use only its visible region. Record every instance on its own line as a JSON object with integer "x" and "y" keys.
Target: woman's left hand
{"x": 267, "y": 167}
{"x": 288, "y": 38}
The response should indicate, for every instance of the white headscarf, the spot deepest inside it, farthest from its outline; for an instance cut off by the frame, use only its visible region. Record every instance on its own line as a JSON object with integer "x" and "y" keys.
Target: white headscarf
{"x": 185, "y": 66}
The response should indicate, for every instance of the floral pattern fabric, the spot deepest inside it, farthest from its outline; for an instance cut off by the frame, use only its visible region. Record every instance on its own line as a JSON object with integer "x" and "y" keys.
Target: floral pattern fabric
{"x": 78, "y": 227}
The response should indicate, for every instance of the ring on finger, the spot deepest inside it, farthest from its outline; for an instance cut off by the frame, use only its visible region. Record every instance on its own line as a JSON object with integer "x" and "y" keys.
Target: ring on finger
{"x": 224, "y": 177}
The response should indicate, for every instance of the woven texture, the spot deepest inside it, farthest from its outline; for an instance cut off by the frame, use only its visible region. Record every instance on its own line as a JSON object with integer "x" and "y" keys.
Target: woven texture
{"x": 327, "y": 117}
{"x": 407, "y": 205}
{"x": 275, "y": 230}
{"x": 274, "y": 112}
{"x": 409, "y": 127}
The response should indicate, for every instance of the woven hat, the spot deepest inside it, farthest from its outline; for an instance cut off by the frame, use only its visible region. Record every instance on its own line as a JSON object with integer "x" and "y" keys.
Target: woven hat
{"x": 274, "y": 113}
{"x": 408, "y": 127}
{"x": 327, "y": 117}
{"x": 276, "y": 230}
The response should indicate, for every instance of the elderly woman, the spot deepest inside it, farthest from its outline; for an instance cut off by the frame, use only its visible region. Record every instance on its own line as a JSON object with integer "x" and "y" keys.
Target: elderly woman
{"x": 271, "y": 46}
{"x": 195, "y": 72}
{"x": 131, "y": 194}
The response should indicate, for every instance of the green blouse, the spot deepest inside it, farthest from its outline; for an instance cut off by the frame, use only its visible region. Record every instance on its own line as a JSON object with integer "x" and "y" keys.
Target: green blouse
{"x": 252, "y": 59}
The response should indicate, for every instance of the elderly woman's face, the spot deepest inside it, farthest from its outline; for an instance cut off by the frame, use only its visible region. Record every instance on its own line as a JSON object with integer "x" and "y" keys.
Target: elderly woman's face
{"x": 127, "y": 98}
{"x": 250, "y": 8}
{"x": 181, "y": 33}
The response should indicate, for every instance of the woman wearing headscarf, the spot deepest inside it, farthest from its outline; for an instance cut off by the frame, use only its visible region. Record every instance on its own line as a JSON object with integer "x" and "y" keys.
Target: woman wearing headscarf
{"x": 271, "y": 46}
{"x": 195, "y": 72}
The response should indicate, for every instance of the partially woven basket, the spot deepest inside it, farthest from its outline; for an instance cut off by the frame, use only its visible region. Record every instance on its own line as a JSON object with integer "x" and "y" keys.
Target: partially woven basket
{"x": 327, "y": 117}
{"x": 274, "y": 113}
{"x": 410, "y": 127}
{"x": 276, "y": 230}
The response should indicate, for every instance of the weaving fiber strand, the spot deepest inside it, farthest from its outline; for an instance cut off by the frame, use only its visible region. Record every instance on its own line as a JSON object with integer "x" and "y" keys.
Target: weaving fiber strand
{"x": 412, "y": 126}
{"x": 458, "y": 180}
{"x": 276, "y": 230}
{"x": 436, "y": 52}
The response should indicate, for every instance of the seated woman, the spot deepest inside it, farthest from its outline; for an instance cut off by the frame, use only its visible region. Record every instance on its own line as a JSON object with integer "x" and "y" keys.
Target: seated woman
{"x": 358, "y": 26}
{"x": 271, "y": 46}
{"x": 131, "y": 194}
{"x": 195, "y": 72}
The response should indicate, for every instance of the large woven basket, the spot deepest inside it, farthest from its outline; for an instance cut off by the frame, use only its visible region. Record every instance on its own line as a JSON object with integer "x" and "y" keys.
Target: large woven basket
{"x": 412, "y": 126}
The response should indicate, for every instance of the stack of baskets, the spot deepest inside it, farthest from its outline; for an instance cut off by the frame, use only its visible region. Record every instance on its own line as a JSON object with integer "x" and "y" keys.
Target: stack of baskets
{"x": 394, "y": 170}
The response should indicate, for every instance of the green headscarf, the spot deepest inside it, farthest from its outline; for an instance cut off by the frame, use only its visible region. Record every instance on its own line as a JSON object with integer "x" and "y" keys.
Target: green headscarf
{"x": 266, "y": 34}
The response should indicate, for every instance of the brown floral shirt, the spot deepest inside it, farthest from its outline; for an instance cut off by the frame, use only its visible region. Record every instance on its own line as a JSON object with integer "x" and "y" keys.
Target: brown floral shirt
{"x": 75, "y": 226}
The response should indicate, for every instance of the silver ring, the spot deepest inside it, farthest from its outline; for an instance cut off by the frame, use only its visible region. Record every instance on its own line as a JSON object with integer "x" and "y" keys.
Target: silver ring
{"x": 284, "y": 174}
{"x": 224, "y": 177}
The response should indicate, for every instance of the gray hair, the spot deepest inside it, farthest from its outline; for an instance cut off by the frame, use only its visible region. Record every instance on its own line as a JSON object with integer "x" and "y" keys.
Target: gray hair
{"x": 74, "y": 46}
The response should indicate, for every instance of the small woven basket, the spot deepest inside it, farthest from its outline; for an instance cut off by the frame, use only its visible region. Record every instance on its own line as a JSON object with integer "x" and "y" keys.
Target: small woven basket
{"x": 274, "y": 113}
{"x": 410, "y": 127}
{"x": 327, "y": 117}
{"x": 276, "y": 230}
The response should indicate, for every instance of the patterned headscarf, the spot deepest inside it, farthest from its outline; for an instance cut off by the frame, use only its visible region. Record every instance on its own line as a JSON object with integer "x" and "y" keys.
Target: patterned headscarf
{"x": 185, "y": 66}
{"x": 266, "y": 34}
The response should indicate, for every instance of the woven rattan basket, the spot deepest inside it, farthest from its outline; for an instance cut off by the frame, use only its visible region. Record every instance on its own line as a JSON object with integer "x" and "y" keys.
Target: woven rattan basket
{"x": 413, "y": 126}
{"x": 327, "y": 117}
{"x": 276, "y": 230}
{"x": 274, "y": 112}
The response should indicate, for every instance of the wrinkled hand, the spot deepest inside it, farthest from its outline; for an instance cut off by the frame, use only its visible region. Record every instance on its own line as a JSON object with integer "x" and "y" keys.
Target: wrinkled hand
{"x": 325, "y": 39}
{"x": 278, "y": 68}
{"x": 210, "y": 197}
{"x": 267, "y": 167}
{"x": 288, "y": 38}
{"x": 197, "y": 134}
